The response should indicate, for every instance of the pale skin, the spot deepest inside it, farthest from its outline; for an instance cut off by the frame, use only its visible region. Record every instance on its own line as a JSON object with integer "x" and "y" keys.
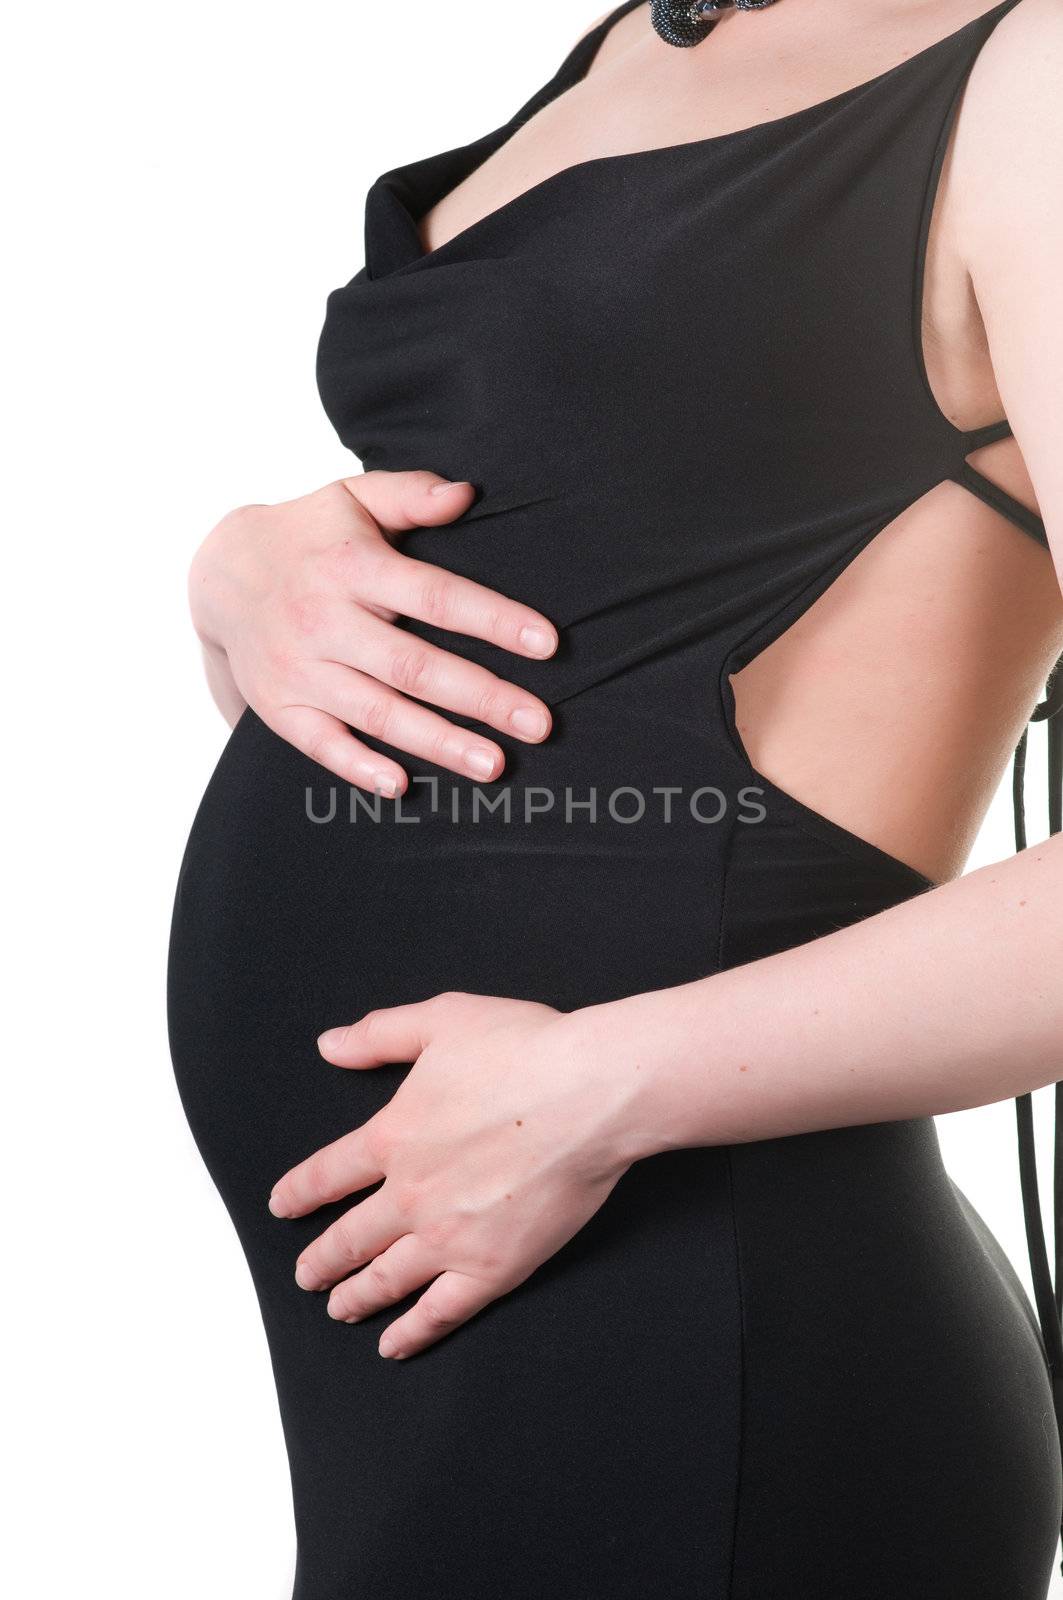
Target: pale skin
{"x": 515, "y": 1121}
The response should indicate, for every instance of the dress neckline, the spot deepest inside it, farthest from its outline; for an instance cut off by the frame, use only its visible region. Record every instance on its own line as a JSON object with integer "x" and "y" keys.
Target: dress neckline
{"x": 573, "y": 70}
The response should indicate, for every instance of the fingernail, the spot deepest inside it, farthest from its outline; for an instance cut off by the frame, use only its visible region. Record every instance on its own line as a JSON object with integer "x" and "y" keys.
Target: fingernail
{"x": 277, "y": 1208}
{"x": 481, "y": 763}
{"x": 306, "y": 1278}
{"x": 537, "y": 641}
{"x": 384, "y": 784}
{"x": 445, "y": 488}
{"x": 388, "y": 1347}
{"x": 336, "y": 1310}
{"x": 532, "y": 724}
{"x": 332, "y": 1039}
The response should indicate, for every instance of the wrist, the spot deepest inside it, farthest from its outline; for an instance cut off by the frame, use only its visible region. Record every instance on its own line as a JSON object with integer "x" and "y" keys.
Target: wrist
{"x": 642, "y": 1045}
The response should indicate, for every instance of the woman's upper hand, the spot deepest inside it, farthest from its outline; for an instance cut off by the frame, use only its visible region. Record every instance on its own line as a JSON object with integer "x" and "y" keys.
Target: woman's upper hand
{"x": 296, "y": 606}
{"x": 501, "y": 1142}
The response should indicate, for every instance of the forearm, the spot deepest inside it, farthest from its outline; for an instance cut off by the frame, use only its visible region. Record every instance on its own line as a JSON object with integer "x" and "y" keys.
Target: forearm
{"x": 950, "y": 1000}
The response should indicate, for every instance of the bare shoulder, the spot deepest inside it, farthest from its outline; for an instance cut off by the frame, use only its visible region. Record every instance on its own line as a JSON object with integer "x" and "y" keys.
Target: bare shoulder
{"x": 1016, "y": 84}
{"x": 1009, "y": 136}
{"x": 620, "y": 35}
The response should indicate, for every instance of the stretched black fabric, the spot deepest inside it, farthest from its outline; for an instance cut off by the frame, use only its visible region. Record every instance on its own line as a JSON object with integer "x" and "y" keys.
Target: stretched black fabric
{"x": 800, "y": 1367}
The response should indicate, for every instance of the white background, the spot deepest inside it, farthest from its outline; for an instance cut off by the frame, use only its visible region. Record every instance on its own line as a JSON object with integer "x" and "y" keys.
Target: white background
{"x": 185, "y": 185}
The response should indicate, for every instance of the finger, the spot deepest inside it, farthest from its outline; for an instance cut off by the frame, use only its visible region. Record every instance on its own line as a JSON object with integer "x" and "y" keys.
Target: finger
{"x": 404, "y": 1267}
{"x": 396, "y": 1034}
{"x": 417, "y": 589}
{"x": 327, "y": 741}
{"x": 384, "y": 714}
{"x": 424, "y": 671}
{"x": 359, "y": 1235}
{"x": 448, "y": 1302}
{"x": 331, "y": 1173}
{"x": 400, "y": 501}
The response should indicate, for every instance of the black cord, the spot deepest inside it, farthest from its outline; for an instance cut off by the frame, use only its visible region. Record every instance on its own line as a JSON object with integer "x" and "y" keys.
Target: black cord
{"x": 1048, "y": 1295}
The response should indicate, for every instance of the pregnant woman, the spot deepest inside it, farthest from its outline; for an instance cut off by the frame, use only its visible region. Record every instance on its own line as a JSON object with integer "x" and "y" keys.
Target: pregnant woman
{"x": 571, "y": 950}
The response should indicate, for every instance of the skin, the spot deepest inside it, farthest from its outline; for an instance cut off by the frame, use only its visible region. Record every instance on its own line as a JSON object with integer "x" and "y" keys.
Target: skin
{"x": 515, "y": 1122}
{"x": 295, "y": 606}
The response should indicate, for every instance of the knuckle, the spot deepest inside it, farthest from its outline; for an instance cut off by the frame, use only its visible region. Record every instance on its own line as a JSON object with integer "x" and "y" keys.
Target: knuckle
{"x": 376, "y": 715}
{"x": 487, "y": 704}
{"x": 406, "y": 1200}
{"x": 346, "y": 1235}
{"x": 319, "y": 746}
{"x": 318, "y": 1176}
{"x": 411, "y": 670}
{"x": 439, "y": 747}
{"x": 439, "y": 1313}
{"x": 282, "y": 660}
{"x": 305, "y": 614}
{"x": 498, "y": 623}
{"x": 370, "y": 1027}
{"x": 450, "y": 1001}
{"x": 380, "y": 1280}
{"x": 438, "y": 1235}
{"x": 379, "y": 1143}
{"x": 436, "y": 600}
{"x": 491, "y": 1264}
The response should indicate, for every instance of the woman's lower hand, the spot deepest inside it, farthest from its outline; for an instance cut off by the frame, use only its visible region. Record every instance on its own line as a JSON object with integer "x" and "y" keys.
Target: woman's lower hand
{"x": 296, "y": 606}
{"x": 502, "y": 1141}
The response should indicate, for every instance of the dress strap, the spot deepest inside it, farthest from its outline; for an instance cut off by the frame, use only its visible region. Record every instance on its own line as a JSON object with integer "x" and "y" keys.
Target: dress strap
{"x": 1000, "y": 500}
{"x": 596, "y": 35}
{"x": 974, "y": 438}
{"x": 575, "y": 66}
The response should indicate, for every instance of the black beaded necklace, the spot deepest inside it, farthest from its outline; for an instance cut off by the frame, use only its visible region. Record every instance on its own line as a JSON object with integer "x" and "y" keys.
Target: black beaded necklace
{"x": 687, "y": 22}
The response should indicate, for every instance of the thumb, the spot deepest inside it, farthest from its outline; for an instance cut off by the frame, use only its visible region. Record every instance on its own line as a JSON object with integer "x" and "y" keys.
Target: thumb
{"x": 397, "y": 1033}
{"x": 399, "y": 501}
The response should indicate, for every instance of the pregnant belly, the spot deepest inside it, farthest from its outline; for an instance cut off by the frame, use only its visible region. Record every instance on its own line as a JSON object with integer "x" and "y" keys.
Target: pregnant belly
{"x": 831, "y": 1282}
{"x": 599, "y": 866}
{"x": 296, "y": 912}
{"x": 284, "y": 926}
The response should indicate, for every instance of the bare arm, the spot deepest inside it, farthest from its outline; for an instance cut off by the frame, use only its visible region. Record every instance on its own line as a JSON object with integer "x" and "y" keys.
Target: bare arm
{"x": 954, "y": 999}
{"x": 950, "y": 1000}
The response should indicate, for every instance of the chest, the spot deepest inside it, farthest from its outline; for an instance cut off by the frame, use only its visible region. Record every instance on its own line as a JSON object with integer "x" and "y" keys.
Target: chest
{"x": 643, "y": 97}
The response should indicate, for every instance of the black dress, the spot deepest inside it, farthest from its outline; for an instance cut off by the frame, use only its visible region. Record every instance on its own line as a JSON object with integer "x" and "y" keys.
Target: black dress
{"x": 794, "y": 1368}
